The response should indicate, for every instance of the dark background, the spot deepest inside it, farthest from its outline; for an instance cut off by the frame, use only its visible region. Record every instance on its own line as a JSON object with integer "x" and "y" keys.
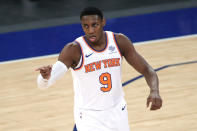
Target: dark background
{"x": 27, "y": 14}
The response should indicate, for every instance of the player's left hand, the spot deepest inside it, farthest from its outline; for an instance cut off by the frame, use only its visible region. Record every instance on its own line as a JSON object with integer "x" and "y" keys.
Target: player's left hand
{"x": 155, "y": 100}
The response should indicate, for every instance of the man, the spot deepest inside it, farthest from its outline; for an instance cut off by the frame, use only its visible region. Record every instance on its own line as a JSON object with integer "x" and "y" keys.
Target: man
{"x": 95, "y": 62}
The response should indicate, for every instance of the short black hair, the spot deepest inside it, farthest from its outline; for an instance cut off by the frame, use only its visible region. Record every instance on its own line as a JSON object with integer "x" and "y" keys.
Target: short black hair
{"x": 91, "y": 11}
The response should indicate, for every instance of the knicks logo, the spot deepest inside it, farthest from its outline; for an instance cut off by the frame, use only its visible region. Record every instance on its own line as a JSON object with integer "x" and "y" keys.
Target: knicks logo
{"x": 106, "y": 64}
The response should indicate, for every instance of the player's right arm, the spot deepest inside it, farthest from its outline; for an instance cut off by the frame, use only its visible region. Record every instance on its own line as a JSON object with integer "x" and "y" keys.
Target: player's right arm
{"x": 69, "y": 57}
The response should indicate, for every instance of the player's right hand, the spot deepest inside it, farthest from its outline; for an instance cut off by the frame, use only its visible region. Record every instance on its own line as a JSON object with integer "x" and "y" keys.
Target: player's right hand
{"x": 45, "y": 71}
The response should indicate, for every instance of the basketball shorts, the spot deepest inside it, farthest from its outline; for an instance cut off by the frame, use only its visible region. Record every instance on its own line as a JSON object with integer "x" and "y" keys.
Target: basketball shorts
{"x": 113, "y": 119}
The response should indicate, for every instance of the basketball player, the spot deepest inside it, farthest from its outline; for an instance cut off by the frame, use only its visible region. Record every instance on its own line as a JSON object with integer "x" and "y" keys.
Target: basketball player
{"x": 95, "y": 61}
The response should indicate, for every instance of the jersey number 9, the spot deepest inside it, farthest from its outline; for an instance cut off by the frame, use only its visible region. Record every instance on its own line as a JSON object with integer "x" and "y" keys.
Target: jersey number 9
{"x": 105, "y": 79}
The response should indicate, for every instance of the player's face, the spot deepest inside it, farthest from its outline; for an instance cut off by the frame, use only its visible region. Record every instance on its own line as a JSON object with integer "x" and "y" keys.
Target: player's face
{"x": 93, "y": 27}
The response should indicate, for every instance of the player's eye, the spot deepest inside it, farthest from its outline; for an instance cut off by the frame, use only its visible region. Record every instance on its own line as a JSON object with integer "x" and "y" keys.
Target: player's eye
{"x": 85, "y": 26}
{"x": 95, "y": 25}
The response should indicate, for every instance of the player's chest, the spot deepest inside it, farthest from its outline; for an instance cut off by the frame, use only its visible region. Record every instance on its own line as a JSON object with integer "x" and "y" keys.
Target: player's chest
{"x": 94, "y": 61}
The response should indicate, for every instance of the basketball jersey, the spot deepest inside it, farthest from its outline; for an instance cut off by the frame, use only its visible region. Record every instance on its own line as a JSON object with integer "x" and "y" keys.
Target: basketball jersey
{"x": 97, "y": 79}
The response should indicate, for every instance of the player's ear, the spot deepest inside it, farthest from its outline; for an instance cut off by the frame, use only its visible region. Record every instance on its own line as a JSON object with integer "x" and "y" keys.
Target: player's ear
{"x": 104, "y": 22}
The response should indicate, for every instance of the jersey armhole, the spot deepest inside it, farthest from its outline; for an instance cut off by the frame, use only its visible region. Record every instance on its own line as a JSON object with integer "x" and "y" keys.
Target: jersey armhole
{"x": 81, "y": 61}
{"x": 116, "y": 43}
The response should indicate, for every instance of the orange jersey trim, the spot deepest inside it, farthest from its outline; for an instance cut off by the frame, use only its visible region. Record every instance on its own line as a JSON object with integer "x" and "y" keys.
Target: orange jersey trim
{"x": 116, "y": 43}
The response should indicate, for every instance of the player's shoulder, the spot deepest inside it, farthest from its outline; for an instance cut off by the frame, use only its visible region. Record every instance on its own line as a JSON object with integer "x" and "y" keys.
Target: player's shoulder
{"x": 120, "y": 36}
{"x": 71, "y": 48}
{"x": 122, "y": 39}
{"x": 123, "y": 42}
{"x": 70, "y": 54}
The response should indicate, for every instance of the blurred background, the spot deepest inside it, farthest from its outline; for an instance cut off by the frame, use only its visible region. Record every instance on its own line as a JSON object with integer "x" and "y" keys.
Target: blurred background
{"x": 43, "y": 27}
{"x": 26, "y": 14}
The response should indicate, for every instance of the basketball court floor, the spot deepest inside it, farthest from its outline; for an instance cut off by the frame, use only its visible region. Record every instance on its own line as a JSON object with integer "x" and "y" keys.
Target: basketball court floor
{"x": 24, "y": 107}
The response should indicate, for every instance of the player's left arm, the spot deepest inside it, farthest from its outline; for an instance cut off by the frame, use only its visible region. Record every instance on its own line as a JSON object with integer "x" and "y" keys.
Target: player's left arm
{"x": 139, "y": 63}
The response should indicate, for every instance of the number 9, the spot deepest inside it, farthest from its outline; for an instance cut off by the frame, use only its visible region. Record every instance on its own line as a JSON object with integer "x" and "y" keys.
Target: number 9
{"x": 105, "y": 79}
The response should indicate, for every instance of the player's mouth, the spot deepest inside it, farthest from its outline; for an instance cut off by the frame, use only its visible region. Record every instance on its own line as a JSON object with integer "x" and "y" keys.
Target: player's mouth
{"x": 92, "y": 38}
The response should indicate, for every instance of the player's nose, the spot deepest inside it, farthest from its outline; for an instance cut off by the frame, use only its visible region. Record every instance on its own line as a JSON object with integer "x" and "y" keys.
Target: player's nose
{"x": 91, "y": 30}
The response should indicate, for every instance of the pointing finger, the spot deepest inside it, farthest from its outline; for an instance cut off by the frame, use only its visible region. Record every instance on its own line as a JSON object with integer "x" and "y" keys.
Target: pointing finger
{"x": 39, "y": 69}
{"x": 49, "y": 67}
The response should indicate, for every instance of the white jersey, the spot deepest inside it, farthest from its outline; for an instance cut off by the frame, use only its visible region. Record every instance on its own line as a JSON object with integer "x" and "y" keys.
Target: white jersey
{"x": 97, "y": 80}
